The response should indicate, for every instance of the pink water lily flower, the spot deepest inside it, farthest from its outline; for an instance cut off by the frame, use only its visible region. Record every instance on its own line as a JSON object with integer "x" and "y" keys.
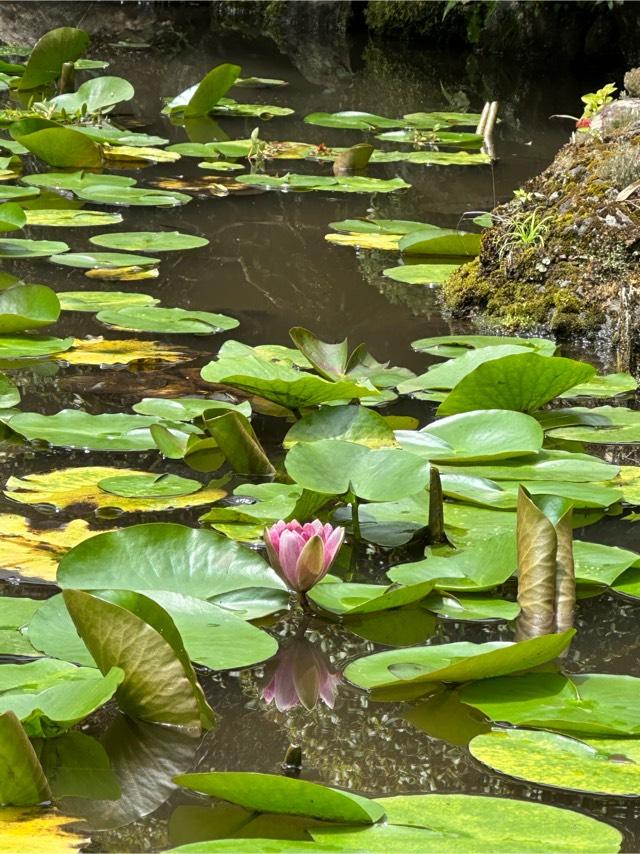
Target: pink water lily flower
{"x": 300, "y": 674}
{"x": 302, "y": 554}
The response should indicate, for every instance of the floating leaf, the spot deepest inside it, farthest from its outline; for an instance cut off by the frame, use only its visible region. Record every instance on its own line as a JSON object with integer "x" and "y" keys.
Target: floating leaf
{"x": 82, "y": 486}
{"x": 336, "y": 184}
{"x": 504, "y": 383}
{"x": 46, "y": 828}
{"x": 336, "y": 467}
{"x": 75, "y": 181}
{"x": 350, "y": 598}
{"x": 32, "y": 552}
{"x": 352, "y": 119}
{"x": 168, "y": 557}
{"x": 103, "y": 353}
{"x": 21, "y": 248}
{"x": 420, "y": 274}
{"x": 609, "y": 385}
{"x": 95, "y": 301}
{"x": 599, "y": 765}
{"x": 187, "y": 408}
{"x": 454, "y": 662}
{"x": 148, "y": 485}
{"x": 99, "y": 94}
{"x": 130, "y": 631}
{"x": 439, "y": 241}
{"x": 596, "y": 704}
{"x": 170, "y": 320}
{"x": 12, "y": 217}
{"x": 11, "y": 192}
{"x": 51, "y": 696}
{"x": 475, "y": 436}
{"x": 616, "y": 425}
{"x": 27, "y": 307}
{"x": 73, "y": 428}
{"x": 471, "y": 607}
{"x": 77, "y": 765}
{"x": 546, "y": 465}
{"x": 60, "y": 218}
{"x": 350, "y": 423}
{"x": 15, "y": 613}
{"x": 57, "y": 145}
{"x": 149, "y": 241}
{"x": 104, "y": 260}
{"x": 277, "y": 794}
{"x": 32, "y": 346}
{"x": 106, "y": 194}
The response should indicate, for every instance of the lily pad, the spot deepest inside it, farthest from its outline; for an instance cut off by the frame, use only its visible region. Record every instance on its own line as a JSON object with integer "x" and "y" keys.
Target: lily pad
{"x": 75, "y": 181}
{"x": 106, "y": 194}
{"x": 170, "y": 320}
{"x": 353, "y": 120}
{"x": 618, "y": 425}
{"x": 130, "y": 631}
{"x": 25, "y": 307}
{"x": 420, "y": 274}
{"x": 187, "y": 408}
{"x": 60, "y": 218}
{"x": 596, "y": 704}
{"x": 454, "y": 662}
{"x": 23, "y": 782}
{"x": 9, "y": 192}
{"x": 475, "y": 437}
{"x": 98, "y": 351}
{"x": 277, "y": 794}
{"x": 73, "y": 428}
{"x": 149, "y": 485}
{"x": 546, "y": 465}
{"x": 95, "y": 301}
{"x": 170, "y": 557}
{"x": 81, "y": 486}
{"x": 149, "y": 241}
{"x": 335, "y": 467}
{"x": 64, "y": 44}
{"x": 438, "y": 241}
{"x": 504, "y": 383}
{"x": 349, "y": 423}
{"x": 19, "y": 826}
{"x": 347, "y": 598}
{"x": 602, "y": 766}
{"x": 57, "y": 145}
{"x": 51, "y": 696}
{"x": 336, "y": 184}
{"x": 104, "y": 260}
{"x": 32, "y": 346}
{"x": 99, "y": 94}
{"x": 15, "y": 248}
{"x": 452, "y": 346}
{"x": 460, "y": 607}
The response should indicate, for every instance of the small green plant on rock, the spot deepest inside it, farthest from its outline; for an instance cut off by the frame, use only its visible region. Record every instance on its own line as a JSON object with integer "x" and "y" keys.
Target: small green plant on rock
{"x": 524, "y": 231}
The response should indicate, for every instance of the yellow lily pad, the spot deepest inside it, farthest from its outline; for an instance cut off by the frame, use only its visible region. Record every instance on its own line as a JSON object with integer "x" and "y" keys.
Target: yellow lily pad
{"x": 363, "y": 240}
{"x": 105, "y": 353}
{"x": 68, "y": 487}
{"x": 123, "y": 274}
{"x": 61, "y": 218}
{"x": 139, "y": 153}
{"x": 628, "y": 480}
{"x": 35, "y": 552}
{"x": 38, "y": 831}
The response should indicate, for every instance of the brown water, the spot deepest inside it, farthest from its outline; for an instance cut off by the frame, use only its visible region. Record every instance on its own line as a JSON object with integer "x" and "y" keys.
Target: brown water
{"x": 268, "y": 265}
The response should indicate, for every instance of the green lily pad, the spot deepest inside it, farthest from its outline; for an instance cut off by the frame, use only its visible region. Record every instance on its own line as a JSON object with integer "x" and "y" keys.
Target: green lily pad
{"x": 95, "y": 301}
{"x": 504, "y": 495}
{"x": 128, "y": 629}
{"x": 76, "y": 765}
{"x": 175, "y": 558}
{"x": 32, "y": 346}
{"x": 420, "y": 274}
{"x": 149, "y": 485}
{"x": 12, "y": 217}
{"x": 14, "y": 248}
{"x": 25, "y": 307}
{"x": 108, "y": 194}
{"x": 104, "y": 260}
{"x": 609, "y": 385}
{"x": 452, "y": 346}
{"x": 187, "y": 408}
{"x": 13, "y": 193}
{"x": 23, "y": 781}
{"x": 616, "y": 425}
{"x": 454, "y": 662}
{"x": 336, "y": 184}
{"x": 73, "y": 428}
{"x": 475, "y": 437}
{"x": 460, "y": 607}
{"x": 350, "y": 423}
{"x": 334, "y": 467}
{"x": 504, "y": 383}
{"x": 277, "y": 794}
{"x": 279, "y": 383}
{"x": 75, "y": 181}
{"x": 346, "y": 598}
{"x": 546, "y": 465}
{"x": 99, "y": 94}
{"x": 438, "y": 241}
{"x": 60, "y": 218}
{"x": 51, "y": 696}
{"x": 596, "y": 704}
{"x": 170, "y": 320}
{"x": 149, "y": 241}
{"x": 57, "y": 145}
{"x": 353, "y": 120}
{"x": 600, "y": 765}
{"x": 596, "y": 563}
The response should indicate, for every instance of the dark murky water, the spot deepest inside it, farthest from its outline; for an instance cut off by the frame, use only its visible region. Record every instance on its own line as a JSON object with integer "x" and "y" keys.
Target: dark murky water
{"x": 268, "y": 265}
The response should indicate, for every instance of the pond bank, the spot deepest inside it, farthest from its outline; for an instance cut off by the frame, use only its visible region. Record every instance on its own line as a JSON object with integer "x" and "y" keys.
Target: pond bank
{"x": 562, "y": 255}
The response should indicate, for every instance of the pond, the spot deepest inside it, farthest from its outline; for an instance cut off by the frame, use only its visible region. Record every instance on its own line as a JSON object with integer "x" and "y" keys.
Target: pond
{"x": 267, "y": 264}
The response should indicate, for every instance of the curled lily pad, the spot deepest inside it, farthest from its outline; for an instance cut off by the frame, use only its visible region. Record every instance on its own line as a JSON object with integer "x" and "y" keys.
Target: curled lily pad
{"x": 23, "y": 780}
{"x": 64, "y": 44}
{"x": 149, "y": 485}
{"x": 151, "y": 241}
{"x": 454, "y": 662}
{"x": 171, "y": 320}
{"x": 104, "y": 260}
